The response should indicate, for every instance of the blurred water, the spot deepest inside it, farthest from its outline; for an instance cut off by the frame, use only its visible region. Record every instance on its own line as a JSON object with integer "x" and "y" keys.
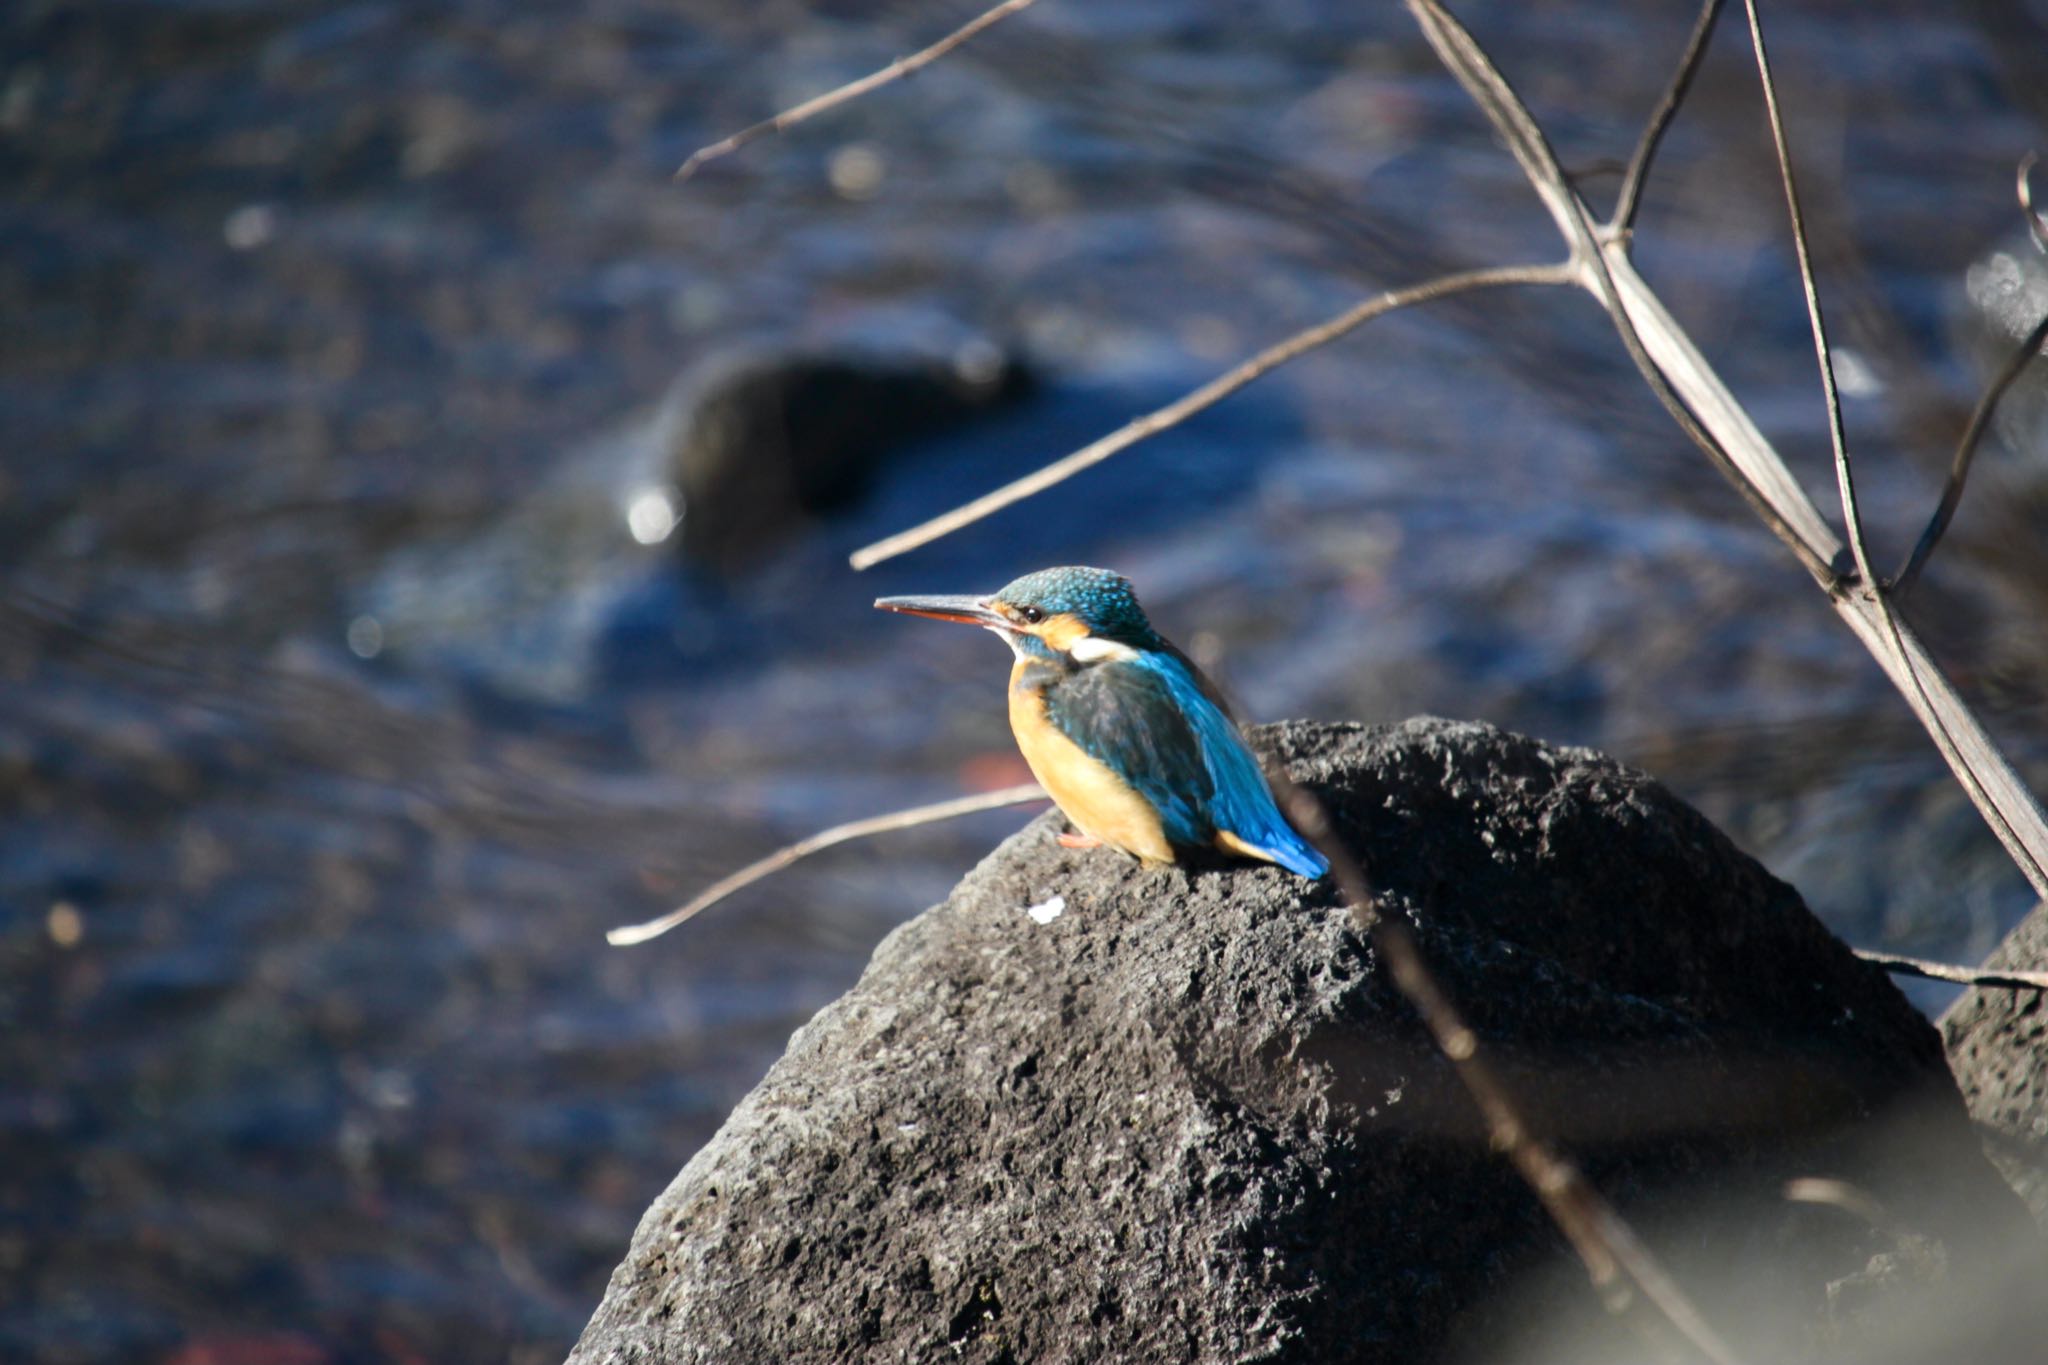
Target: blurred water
{"x": 340, "y": 714}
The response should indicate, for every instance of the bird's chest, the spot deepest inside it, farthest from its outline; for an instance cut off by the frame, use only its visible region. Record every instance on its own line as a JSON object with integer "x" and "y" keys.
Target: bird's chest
{"x": 1091, "y": 794}
{"x": 1044, "y": 747}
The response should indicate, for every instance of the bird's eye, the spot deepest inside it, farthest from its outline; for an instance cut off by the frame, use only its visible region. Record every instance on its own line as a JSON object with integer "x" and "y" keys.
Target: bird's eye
{"x": 1032, "y": 615}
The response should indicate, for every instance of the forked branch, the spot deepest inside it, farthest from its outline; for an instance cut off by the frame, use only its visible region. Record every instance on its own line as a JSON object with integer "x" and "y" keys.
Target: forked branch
{"x": 1695, "y": 396}
{"x": 1659, "y": 350}
{"x": 1886, "y": 635}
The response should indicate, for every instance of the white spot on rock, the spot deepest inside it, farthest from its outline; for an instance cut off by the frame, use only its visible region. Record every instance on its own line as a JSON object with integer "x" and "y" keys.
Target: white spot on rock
{"x": 1046, "y": 911}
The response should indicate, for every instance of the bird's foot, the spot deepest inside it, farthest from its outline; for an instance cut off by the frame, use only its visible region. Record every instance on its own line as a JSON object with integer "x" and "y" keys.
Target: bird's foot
{"x": 1079, "y": 841}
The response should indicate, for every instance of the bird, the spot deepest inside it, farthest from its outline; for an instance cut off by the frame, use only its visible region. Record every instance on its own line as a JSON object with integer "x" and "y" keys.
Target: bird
{"x": 1125, "y": 734}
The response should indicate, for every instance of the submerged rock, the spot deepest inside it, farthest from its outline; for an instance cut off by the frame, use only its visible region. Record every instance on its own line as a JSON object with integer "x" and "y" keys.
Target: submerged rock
{"x": 765, "y": 445}
{"x": 1086, "y": 1110}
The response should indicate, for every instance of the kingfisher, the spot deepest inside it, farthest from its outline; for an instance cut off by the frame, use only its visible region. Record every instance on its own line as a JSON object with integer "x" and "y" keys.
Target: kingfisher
{"x": 1125, "y": 734}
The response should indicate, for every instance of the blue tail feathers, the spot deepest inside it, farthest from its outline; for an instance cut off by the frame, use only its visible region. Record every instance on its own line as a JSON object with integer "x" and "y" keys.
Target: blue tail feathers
{"x": 1297, "y": 857}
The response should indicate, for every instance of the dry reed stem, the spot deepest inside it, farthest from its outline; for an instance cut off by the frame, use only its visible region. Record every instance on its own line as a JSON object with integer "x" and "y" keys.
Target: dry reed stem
{"x": 1886, "y": 638}
{"x": 1698, "y": 399}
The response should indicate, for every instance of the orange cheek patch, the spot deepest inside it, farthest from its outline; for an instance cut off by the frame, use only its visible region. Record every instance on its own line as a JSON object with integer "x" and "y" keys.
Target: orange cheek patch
{"x": 1061, "y": 631}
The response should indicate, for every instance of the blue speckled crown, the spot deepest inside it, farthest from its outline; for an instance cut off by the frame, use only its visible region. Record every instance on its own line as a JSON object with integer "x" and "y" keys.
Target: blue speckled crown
{"x": 1102, "y": 600}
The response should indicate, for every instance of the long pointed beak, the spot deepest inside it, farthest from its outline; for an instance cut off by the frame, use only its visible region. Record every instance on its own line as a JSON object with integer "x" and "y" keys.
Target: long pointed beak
{"x": 971, "y": 611}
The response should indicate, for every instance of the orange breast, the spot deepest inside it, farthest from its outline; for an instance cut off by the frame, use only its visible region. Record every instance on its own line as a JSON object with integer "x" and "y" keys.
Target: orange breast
{"x": 1099, "y": 802}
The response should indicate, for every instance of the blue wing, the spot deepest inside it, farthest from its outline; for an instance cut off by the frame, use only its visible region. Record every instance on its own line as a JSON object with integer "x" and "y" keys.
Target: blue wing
{"x": 1127, "y": 718}
{"x": 1150, "y": 720}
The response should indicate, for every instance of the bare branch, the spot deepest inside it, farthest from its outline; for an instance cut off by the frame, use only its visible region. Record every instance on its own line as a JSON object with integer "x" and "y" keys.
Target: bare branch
{"x": 1961, "y": 976}
{"x": 1605, "y": 1243}
{"x": 1661, "y": 353}
{"x": 1707, "y": 412}
{"x": 1966, "y": 450}
{"x": 2001, "y": 797}
{"x": 628, "y": 935}
{"x": 1980, "y": 417}
{"x": 1629, "y": 200}
{"x": 1217, "y": 389}
{"x": 1887, "y": 637}
{"x": 832, "y": 99}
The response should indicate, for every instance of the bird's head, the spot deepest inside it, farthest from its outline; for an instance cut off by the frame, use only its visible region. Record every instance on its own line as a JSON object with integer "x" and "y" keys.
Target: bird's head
{"x": 1087, "y": 615}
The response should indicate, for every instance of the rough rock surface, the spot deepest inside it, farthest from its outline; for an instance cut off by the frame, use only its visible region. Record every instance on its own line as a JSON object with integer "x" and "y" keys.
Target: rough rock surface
{"x": 1998, "y": 1048}
{"x": 1189, "y": 1120}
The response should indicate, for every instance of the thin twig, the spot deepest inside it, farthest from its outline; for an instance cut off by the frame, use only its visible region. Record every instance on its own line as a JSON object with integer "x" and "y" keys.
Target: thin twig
{"x": 1980, "y": 417}
{"x": 1966, "y": 450}
{"x": 1845, "y": 476}
{"x": 753, "y": 872}
{"x": 1961, "y": 976}
{"x": 1217, "y": 389}
{"x": 832, "y": 99}
{"x": 1605, "y": 1243}
{"x": 1623, "y": 219}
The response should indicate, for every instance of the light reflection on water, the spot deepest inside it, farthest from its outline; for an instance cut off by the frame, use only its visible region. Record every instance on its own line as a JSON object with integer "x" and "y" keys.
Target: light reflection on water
{"x": 343, "y": 712}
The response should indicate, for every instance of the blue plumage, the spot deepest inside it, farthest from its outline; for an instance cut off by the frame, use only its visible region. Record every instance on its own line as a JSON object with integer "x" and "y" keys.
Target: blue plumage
{"x": 1121, "y": 729}
{"x": 1150, "y": 720}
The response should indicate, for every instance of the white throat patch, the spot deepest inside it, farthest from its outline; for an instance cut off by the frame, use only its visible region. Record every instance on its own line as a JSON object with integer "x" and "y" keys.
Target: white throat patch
{"x": 1093, "y": 649}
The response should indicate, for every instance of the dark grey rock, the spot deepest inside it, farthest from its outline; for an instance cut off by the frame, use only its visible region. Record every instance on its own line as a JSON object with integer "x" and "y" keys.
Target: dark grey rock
{"x": 772, "y": 442}
{"x": 1998, "y": 1048}
{"x": 1189, "y": 1119}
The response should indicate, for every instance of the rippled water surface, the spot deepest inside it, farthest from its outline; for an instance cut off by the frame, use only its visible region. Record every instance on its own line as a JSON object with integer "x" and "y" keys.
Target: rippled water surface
{"x": 340, "y": 712}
